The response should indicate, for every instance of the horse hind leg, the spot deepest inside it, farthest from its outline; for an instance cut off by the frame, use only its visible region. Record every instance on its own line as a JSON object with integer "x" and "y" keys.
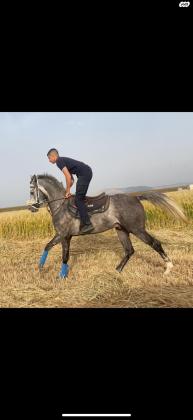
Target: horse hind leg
{"x": 156, "y": 245}
{"x": 127, "y": 245}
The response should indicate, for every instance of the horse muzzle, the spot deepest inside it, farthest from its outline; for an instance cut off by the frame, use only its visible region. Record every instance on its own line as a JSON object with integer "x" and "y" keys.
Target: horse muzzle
{"x": 33, "y": 206}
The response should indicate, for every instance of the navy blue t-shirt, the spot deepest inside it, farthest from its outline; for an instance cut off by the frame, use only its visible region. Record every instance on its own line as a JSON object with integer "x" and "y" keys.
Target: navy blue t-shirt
{"x": 74, "y": 166}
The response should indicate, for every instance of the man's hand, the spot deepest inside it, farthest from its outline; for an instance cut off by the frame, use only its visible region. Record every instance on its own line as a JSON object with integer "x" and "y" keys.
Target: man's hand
{"x": 68, "y": 194}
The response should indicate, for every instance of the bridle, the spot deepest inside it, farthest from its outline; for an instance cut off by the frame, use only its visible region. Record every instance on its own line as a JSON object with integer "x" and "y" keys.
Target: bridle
{"x": 34, "y": 206}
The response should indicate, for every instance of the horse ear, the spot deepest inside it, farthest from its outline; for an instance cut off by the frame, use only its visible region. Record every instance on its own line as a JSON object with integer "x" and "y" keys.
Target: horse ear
{"x": 33, "y": 178}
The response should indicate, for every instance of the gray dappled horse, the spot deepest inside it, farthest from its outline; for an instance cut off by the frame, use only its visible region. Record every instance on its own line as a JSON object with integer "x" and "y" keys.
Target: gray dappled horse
{"x": 123, "y": 212}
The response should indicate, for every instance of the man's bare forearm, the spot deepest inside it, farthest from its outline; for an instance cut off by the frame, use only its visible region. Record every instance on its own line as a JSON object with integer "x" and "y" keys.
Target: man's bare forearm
{"x": 72, "y": 181}
{"x": 68, "y": 184}
{"x": 69, "y": 179}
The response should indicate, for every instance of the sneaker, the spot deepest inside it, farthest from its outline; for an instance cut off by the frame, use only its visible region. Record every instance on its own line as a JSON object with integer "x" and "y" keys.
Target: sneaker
{"x": 87, "y": 228}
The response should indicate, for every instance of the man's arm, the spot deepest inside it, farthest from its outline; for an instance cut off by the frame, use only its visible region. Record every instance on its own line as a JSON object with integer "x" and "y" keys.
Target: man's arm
{"x": 72, "y": 180}
{"x": 68, "y": 179}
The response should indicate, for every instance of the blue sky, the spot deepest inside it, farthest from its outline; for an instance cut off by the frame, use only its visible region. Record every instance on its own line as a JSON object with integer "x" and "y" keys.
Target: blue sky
{"x": 124, "y": 149}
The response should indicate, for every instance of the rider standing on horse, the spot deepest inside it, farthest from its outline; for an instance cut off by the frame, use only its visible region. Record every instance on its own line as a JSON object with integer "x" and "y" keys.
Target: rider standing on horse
{"x": 84, "y": 174}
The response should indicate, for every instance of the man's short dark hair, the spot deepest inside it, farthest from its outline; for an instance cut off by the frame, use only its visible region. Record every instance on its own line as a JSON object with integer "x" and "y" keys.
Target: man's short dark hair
{"x": 52, "y": 150}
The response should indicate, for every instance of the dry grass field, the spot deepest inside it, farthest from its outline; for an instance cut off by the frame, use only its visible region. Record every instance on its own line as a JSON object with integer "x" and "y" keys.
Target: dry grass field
{"x": 93, "y": 280}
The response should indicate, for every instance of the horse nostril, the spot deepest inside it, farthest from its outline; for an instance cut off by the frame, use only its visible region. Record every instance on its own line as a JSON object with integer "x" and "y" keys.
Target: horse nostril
{"x": 34, "y": 209}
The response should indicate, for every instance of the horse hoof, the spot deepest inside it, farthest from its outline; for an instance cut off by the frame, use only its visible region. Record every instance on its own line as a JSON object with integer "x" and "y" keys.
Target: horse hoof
{"x": 169, "y": 266}
{"x": 119, "y": 269}
{"x": 64, "y": 271}
{"x": 62, "y": 277}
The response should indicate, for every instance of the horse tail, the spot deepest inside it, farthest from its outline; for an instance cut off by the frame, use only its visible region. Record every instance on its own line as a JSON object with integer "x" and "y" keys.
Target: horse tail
{"x": 166, "y": 203}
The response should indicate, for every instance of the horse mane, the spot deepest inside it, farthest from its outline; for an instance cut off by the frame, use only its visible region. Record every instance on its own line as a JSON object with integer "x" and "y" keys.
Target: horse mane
{"x": 51, "y": 179}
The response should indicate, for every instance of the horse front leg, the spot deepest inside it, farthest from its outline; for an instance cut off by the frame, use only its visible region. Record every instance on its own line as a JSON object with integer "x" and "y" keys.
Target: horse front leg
{"x": 65, "y": 256}
{"x": 57, "y": 239}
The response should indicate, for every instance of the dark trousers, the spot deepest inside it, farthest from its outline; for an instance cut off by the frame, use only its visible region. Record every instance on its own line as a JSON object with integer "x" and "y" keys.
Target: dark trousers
{"x": 81, "y": 190}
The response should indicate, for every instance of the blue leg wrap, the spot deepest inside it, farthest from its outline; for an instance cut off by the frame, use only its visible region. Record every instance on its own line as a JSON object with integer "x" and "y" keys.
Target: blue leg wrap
{"x": 64, "y": 270}
{"x": 43, "y": 259}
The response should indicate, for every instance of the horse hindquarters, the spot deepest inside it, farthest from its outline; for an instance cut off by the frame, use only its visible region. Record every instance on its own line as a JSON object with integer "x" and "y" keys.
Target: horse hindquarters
{"x": 131, "y": 213}
{"x": 132, "y": 220}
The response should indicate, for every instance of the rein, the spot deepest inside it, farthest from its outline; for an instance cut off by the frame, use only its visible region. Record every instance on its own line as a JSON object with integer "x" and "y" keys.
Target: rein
{"x": 51, "y": 201}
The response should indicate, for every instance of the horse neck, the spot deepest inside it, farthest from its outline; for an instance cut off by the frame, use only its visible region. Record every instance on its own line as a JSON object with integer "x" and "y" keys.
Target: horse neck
{"x": 54, "y": 193}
